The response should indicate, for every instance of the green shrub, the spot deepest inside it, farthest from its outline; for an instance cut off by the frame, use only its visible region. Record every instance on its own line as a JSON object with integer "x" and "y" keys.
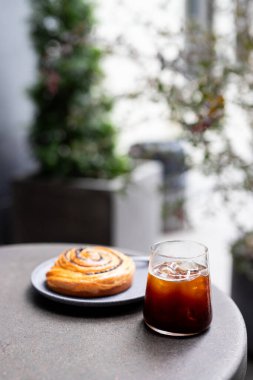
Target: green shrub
{"x": 72, "y": 134}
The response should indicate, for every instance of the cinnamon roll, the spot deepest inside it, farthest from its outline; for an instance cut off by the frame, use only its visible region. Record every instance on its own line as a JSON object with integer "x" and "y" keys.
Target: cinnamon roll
{"x": 93, "y": 271}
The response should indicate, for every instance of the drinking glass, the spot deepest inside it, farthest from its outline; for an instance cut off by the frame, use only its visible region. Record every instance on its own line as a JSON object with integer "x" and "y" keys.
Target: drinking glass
{"x": 177, "y": 300}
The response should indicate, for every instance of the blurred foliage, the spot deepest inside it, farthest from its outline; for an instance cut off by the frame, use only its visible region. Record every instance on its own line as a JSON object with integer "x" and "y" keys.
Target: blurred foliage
{"x": 242, "y": 251}
{"x": 197, "y": 75}
{"x": 72, "y": 134}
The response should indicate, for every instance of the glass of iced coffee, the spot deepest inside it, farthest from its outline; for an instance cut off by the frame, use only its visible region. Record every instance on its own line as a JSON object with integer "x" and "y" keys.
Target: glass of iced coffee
{"x": 178, "y": 300}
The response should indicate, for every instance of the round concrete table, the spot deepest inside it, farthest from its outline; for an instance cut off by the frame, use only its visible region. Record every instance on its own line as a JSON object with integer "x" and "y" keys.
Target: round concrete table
{"x": 41, "y": 339}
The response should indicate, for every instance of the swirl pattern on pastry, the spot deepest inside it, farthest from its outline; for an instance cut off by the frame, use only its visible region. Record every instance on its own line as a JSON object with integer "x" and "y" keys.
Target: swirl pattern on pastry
{"x": 93, "y": 271}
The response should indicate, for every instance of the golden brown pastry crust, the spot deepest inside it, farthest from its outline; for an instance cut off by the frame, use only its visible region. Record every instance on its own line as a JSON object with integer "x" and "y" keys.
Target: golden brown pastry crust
{"x": 93, "y": 271}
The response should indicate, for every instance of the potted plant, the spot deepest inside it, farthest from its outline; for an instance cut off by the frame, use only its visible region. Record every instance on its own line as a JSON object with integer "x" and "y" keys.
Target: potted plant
{"x": 242, "y": 280}
{"x": 76, "y": 194}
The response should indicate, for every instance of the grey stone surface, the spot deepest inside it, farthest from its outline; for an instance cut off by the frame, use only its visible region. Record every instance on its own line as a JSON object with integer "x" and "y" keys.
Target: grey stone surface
{"x": 40, "y": 339}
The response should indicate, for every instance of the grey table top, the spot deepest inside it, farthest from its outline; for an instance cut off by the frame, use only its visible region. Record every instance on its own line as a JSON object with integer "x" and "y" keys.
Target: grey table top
{"x": 40, "y": 339}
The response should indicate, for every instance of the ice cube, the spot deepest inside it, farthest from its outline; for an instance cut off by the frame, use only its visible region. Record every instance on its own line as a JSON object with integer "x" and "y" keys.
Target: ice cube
{"x": 177, "y": 270}
{"x": 169, "y": 270}
{"x": 164, "y": 270}
{"x": 189, "y": 268}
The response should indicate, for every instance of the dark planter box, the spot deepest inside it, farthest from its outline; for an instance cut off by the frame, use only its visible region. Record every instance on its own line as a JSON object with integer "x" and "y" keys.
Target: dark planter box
{"x": 53, "y": 211}
{"x": 242, "y": 294}
{"x": 89, "y": 210}
{"x": 5, "y": 221}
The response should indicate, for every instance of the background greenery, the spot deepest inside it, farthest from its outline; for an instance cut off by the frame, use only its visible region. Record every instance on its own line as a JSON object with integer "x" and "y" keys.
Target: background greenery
{"x": 72, "y": 134}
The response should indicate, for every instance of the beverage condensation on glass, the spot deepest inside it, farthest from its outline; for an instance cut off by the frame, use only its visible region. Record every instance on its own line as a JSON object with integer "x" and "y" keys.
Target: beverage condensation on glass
{"x": 177, "y": 300}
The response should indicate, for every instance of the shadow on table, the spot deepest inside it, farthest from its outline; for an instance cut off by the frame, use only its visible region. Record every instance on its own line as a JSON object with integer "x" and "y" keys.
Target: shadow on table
{"x": 149, "y": 331}
{"x": 38, "y": 301}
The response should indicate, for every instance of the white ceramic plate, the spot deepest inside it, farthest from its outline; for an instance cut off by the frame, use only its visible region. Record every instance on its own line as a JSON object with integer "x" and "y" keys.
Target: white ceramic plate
{"x": 133, "y": 294}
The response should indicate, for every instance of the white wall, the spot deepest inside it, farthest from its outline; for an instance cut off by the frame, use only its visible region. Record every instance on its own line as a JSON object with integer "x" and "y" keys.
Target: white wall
{"x": 17, "y": 70}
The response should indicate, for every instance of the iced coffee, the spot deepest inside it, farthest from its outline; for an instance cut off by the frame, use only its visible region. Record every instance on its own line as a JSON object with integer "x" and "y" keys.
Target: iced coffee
{"x": 177, "y": 300}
